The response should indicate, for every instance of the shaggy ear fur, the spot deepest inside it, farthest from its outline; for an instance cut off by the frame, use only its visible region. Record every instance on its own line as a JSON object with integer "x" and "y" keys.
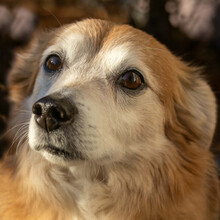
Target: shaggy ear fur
{"x": 192, "y": 110}
{"x": 25, "y": 68}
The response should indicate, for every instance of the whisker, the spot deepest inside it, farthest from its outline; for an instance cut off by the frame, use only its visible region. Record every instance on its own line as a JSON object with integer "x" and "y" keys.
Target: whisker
{"x": 53, "y": 15}
{"x": 14, "y": 127}
{"x": 23, "y": 139}
{"x": 19, "y": 135}
{"x": 23, "y": 111}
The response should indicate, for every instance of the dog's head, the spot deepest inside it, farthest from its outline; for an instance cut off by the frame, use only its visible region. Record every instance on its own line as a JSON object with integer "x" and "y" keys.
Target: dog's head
{"x": 102, "y": 92}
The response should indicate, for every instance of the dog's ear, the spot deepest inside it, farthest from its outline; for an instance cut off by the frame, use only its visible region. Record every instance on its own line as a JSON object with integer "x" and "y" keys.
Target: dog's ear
{"x": 25, "y": 68}
{"x": 191, "y": 112}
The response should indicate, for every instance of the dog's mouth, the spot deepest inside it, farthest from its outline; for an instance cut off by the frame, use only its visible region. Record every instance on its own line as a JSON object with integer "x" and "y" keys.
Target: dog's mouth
{"x": 60, "y": 152}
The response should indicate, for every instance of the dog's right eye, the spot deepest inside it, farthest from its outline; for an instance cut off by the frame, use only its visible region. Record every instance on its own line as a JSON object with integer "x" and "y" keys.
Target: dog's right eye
{"x": 53, "y": 64}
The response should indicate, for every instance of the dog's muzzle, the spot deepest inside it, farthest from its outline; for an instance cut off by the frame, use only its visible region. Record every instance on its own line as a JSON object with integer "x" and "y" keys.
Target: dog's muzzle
{"x": 52, "y": 112}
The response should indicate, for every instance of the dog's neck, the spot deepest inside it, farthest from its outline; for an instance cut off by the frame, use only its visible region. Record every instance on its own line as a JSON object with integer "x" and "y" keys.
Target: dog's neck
{"x": 88, "y": 189}
{"x": 94, "y": 192}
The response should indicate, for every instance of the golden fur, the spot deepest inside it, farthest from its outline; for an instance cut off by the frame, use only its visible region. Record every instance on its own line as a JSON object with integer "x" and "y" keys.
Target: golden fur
{"x": 172, "y": 177}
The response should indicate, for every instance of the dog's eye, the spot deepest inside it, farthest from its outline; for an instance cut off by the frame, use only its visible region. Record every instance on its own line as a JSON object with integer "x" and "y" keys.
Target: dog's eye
{"x": 131, "y": 79}
{"x": 53, "y": 63}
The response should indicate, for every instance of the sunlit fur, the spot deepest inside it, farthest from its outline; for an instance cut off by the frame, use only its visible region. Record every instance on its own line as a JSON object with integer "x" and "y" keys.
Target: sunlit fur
{"x": 146, "y": 152}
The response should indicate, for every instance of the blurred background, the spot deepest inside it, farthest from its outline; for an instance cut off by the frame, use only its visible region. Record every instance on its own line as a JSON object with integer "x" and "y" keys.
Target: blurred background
{"x": 189, "y": 28}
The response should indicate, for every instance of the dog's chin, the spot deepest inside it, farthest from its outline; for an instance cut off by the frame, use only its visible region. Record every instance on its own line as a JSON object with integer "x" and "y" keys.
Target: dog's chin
{"x": 59, "y": 156}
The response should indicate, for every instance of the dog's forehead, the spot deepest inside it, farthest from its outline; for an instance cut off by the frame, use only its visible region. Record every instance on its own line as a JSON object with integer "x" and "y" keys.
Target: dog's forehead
{"x": 100, "y": 43}
{"x": 83, "y": 38}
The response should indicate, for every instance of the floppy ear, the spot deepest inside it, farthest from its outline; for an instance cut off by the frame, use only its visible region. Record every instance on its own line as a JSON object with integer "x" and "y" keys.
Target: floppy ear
{"x": 192, "y": 110}
{"x": 25, "y": 68}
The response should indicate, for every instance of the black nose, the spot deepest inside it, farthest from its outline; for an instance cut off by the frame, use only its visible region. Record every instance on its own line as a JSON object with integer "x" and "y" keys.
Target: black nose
{"x": 51, "y": 112}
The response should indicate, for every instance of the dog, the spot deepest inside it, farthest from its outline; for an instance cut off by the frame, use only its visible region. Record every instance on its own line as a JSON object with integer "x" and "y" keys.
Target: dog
{"x": 107, "y": 124}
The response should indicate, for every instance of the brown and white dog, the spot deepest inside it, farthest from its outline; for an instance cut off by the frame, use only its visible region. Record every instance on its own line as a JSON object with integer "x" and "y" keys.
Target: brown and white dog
{"x": 107, "y": 124}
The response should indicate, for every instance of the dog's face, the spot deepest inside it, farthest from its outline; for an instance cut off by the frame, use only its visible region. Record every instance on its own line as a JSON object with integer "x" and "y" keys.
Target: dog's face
{"x": 93, "y": 98}
{"x": 106, "y": 93}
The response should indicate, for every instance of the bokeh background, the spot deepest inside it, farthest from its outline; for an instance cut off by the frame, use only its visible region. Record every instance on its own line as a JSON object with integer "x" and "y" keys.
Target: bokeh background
{"x": 189, "y": 28}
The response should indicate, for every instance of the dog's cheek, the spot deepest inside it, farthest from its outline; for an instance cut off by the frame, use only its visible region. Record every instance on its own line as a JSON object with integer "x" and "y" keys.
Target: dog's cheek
{"x": 131, "y": 131}
{"x": 95, "y": 128}
{"x": 141, "y": 122}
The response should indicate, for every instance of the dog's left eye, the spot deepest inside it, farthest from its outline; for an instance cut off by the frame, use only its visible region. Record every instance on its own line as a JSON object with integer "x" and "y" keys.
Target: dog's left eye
{"x": 53, "y": 63}
{"x": 131, "y": 79}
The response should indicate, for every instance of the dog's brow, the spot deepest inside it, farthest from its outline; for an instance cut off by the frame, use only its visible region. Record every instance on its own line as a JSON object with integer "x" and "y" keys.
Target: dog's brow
{"x": 71, "y": 41}
{"x": 117, "y": 54}
{"x": 114, "y": 58}
{"x": 120, "y": 57}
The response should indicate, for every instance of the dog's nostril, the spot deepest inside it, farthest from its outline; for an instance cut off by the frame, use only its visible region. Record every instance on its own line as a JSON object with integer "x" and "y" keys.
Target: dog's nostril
{"x": 37, "y": 109}
{"x": 59, "y": 114}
